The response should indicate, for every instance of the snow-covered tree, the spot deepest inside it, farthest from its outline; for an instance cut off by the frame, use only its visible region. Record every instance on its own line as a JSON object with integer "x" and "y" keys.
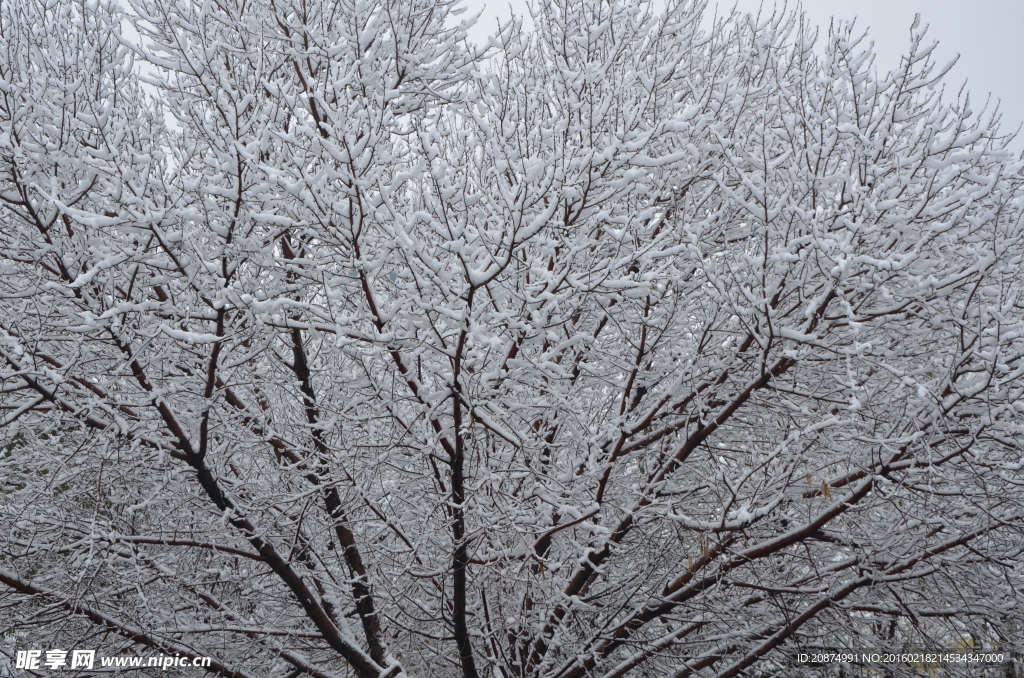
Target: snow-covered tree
{"x": 638, "y": 343}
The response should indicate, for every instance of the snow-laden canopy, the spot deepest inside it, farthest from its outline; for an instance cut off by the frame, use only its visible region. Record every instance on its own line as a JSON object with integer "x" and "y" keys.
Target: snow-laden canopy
{"x": 637, "y": 344}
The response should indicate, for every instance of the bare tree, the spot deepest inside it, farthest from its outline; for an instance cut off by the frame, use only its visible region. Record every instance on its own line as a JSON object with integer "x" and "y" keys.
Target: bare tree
{"x": 636, "y": 343}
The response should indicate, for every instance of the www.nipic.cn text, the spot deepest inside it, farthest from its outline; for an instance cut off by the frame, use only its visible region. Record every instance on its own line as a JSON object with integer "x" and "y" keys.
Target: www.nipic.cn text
{"x": 87, "y": 660}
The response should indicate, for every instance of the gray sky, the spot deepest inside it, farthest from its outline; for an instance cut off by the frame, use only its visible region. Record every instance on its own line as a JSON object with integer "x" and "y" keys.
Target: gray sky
{"x": 987, "y": 34}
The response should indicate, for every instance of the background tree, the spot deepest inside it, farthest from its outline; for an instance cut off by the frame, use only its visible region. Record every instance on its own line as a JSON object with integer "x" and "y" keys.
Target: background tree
{"x": 639, "y": 344}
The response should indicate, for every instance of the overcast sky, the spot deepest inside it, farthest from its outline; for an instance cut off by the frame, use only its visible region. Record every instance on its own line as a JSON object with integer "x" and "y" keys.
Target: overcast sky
{"x": 987, "y": 34}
